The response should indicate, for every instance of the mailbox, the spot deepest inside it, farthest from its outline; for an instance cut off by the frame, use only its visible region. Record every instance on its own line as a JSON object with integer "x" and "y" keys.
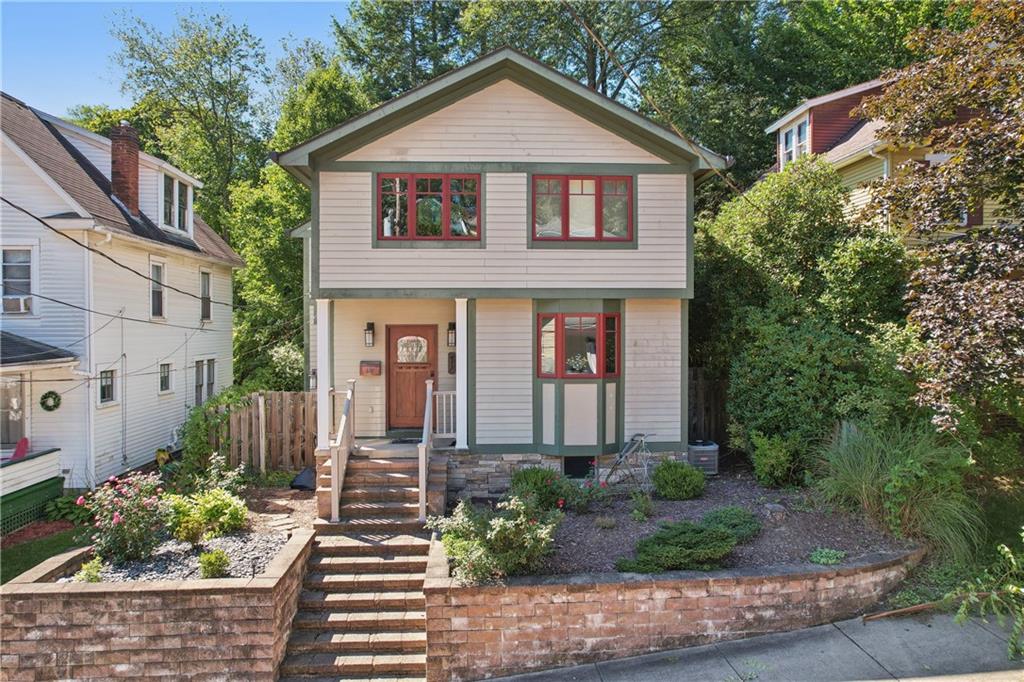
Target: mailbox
{"x": 369, "y": 368}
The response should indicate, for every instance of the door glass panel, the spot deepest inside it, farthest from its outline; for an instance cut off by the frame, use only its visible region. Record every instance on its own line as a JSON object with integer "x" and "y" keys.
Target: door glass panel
{"x": 581, "y": 344}
{"x": 547, "y": 345}
{"x": 412, "y": 349}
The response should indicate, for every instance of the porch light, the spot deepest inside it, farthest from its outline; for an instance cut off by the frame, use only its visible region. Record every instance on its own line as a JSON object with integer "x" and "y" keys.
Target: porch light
{"x": 368, "y": 335}
{"x": 312, "y": 380}
{"x": 451, "y": 335}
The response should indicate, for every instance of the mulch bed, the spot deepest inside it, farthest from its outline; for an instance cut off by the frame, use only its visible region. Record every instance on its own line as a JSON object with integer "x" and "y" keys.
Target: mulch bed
{"x": 34, "y": 530}
{"x": 582, "y": 547}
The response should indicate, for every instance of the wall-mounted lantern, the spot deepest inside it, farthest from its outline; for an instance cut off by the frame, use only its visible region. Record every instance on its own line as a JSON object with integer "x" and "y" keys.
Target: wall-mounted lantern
{"x": 451, "y": 335}
{"x": 368, "y": 335}
{"x": 312, "y": 380}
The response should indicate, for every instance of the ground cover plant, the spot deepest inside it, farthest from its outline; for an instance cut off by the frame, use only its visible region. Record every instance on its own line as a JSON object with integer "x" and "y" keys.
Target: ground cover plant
{"x": 680, "y": 546}
{"x": 826, "y": 556}
{"x": 740, "y": 522}
{"x": 676, "y": 480}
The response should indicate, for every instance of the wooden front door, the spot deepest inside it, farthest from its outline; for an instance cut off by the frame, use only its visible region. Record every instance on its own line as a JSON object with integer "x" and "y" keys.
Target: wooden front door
{"x": 412, "y": 359}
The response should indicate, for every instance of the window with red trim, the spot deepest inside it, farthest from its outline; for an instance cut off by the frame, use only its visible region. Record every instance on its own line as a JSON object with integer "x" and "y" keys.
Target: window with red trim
{"x": 582, "y": 208}
{"x": 578, "y": 345}
{"x": 428, "y": 206}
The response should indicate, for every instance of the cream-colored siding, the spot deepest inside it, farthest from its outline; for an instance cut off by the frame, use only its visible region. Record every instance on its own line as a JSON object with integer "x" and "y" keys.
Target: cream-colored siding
{"x": 503, "y": 122}
{"x": 504, "y": 371}
{"x": 128, "y": 432}
{"x": 856, "y": 177}
{"x": 348, "y": 259}
{"x": 16, "y": 476}
{"x": 350, "y": 318}
{"x": 653, "y": 365}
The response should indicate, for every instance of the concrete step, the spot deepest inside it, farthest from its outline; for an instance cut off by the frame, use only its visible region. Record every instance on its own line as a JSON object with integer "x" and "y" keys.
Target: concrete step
{"x": 364, "y": 478}
{"x": 362, "y": 526}
{"x": 380, "y": 493}
{"x": 353, "y": 664}
{"x": 327, "y": 641}
{"x": 361, "y": 621}
{"x": 380, "y": 510}
{"x": 371, "y": 545}
{"x": 381, "y": 464}
{"x": 367, "y": 564}
{"x": 363, "y": 582}
{"x": 404, "y": 600}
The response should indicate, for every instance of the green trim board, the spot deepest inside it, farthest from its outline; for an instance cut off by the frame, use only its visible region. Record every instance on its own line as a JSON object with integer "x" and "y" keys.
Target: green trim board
{"x": 378, "y": 243}
{"x": 499, "y": 65}
{"x": 584, "y": 245}
{"x": 484, "y": 292}
{"x": 23, "y": 506}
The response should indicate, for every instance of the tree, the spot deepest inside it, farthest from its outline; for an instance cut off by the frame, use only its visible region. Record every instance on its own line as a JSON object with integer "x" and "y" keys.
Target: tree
{"x": 964, "y": 102}
{"x": 548, "y": 31}
{"x": 204, "y": 74}
{"x": 147, "y": 116}
{"x": 397, "y": 45}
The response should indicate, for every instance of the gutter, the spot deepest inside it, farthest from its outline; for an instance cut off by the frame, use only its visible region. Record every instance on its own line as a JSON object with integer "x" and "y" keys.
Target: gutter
{"x": 151, "y": 245}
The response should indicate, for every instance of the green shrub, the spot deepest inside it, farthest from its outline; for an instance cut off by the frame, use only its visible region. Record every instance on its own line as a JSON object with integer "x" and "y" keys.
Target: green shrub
{"x": 91, "y": 571}
{"x": 190, "y": 529}
{"x": 269, "y": 479}
{"x": 220, "y": 511}
{"x": 200, "y": 468}
{"x": 826, "y": 556}
{"x": 676, "y": 480}
{"x": 908, "y": 479}
{"x": 774, "y": 458}
{"x": 214, "y": 564}
{"x": 643, "y": 506}
{"x": 680, "y": 546}
{"x": 547, "y": 486}
{"x": 865, "y": 280}
{"x": 737, "y": 520}
{"x": 486, "y": 545}
{"x": 71, "y": 507}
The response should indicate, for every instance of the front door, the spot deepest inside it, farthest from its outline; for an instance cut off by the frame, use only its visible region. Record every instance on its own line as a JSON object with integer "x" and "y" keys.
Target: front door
{"x": 412, "y": 359}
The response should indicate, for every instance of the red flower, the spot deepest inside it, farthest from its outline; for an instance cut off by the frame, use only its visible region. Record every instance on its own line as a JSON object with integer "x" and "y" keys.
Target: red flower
{"x": 80, "y": 501}
{"x": 561, "y": 503}
{"x": 604, "y": 484}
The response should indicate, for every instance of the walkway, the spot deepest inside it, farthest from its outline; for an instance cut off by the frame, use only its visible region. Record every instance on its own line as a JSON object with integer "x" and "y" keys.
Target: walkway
{"x": 932, "y": 648}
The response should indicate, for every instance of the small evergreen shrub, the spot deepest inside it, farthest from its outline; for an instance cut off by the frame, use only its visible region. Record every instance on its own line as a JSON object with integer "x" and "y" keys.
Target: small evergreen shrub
{"x": 680, "y": 546}
{"x": 129, "y": 518}
{"x": 826, "y": 556}
{"x": 737, "y": 520}
{"x": 676, "y": 480}
{"x": 643, "y": 506}
{"x": 90, "y": 572}
{"x": 775, "y": 461}
{"x": 214, "y": 564}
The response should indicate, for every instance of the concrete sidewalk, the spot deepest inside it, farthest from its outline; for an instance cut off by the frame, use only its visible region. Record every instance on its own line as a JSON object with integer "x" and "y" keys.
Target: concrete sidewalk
{"x": 921, "y": 648}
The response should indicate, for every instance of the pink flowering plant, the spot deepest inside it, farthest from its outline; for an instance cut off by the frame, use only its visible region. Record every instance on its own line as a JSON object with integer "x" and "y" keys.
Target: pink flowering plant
{"x": 129, "y": 521}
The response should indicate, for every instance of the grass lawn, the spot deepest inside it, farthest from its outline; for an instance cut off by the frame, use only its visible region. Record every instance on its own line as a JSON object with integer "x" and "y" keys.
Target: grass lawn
{"x": 21, "y": 557}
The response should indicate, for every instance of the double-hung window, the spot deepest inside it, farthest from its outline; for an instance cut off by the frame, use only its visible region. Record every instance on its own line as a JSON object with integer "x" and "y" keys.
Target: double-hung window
{"x": 107, "y": 394}
{"x": 175, "y": 209}
{"x": 578, "y": 345}
{"x": 165, "y": 377}
{"x": 156, "y": 289}
{"x": 204, "y": 296}
{"x": 17, "y": 280}
{"x": 801, "y": 139}
{"x": 205, "y": 380}
{"x": 428, "y": 207}
{"x": 794, "y": 142}
{"x": 582, "y": 208}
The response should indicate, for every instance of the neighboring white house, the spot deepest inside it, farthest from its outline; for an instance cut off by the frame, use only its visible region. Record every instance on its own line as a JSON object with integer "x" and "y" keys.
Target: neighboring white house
{"x": 126, "y": 357}
{"x": 519, "y": 238}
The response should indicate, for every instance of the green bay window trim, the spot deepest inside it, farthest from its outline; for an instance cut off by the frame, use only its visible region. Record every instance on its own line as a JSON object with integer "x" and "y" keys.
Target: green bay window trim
{"x": 578, "y": 345}
{"x": 428, "y": 207}
{"x": 587, "y": 208}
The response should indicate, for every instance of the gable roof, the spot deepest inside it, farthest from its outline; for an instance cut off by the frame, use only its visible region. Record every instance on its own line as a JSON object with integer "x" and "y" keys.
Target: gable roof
{"x": 55, "y": 155}
{"x": 861, "y": 139}
{"x": 19, "y": 350}
{"x": 502, "y": 64}
{"x": 809, "y": 104}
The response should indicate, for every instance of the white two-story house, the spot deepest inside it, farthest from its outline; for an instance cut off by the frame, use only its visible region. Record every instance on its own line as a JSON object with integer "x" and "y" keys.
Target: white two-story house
{"x": 521, "y": 240}
{"x": 116, "y": 300}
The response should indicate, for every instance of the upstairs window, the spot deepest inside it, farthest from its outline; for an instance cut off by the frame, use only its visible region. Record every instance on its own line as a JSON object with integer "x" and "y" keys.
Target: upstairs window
{"x": 175, "y": 207}
{"x": 794, "y": 142}
{"x": 156, "y": 290}
{"x": 17, "y": 281}
{"x": 205, "y": 312}
{"x": 578, "y": 345}
{"x": 801, "y": 139}
{"x": 428, "y": 207}
{"x": 168, "y": 214}
{"x": 107, "y": 386}
{"x": 165, "y": 377}
{"x": 582, "y": 208}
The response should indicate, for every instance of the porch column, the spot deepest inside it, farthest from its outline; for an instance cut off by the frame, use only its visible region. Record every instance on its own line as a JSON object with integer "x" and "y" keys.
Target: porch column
{"x": 324, "y": 358}
{"x": 461, "y": 374}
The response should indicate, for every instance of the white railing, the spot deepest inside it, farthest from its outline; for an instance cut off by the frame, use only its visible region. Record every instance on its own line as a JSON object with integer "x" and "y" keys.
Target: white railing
{"x": 444, "y": 414}
{"x": 341, "y": 448}
{"x": 424, "y": 448}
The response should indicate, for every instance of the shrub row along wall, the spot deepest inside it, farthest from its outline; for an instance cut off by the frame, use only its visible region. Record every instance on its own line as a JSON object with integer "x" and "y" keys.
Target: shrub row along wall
{"x": 224, "y": 629}
{"x": 551, "y": 621}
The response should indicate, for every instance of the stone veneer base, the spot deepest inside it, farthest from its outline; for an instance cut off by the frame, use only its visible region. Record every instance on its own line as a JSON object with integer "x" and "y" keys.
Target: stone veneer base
{"x": 542, "y": 622}
{"x": 223, "y": 629}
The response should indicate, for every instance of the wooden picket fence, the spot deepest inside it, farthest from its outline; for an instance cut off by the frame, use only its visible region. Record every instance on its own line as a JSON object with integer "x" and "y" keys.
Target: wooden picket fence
{"x": 708, "y": 420}
{"x": 271, "y": 431}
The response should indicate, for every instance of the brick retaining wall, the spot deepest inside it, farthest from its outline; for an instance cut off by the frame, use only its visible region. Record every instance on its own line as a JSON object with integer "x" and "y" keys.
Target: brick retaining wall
{"x": 224, "y": 629}
{"x": 550, "y": 621}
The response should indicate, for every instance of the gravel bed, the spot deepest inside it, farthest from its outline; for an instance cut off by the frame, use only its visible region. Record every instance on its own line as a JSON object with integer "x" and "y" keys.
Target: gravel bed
{"x": 581, "y": 546}
{"x": 173, "y": 560}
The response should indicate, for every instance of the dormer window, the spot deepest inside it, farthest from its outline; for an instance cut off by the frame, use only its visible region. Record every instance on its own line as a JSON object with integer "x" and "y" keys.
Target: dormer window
{"x": 794, "y": 142}
{"x": 175, "y": 207}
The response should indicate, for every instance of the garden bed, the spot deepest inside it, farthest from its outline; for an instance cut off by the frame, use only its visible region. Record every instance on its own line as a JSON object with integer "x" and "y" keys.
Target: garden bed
{"x": 580, "y": 545}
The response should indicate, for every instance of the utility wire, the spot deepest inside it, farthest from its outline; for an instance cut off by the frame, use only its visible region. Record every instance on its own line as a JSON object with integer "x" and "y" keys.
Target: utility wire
{"x": 73, "y": 343}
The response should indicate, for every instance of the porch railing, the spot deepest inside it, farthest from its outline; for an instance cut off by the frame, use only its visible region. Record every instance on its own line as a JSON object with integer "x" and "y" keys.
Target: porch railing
{"x": 341, "y": 447}
{"x": 424, "y": 448}
{"x": 444, "y": 414}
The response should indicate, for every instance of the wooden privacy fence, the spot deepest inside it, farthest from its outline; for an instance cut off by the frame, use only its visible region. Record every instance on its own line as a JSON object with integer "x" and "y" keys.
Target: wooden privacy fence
{"x": 708, "y": 420}
{"x": 271, "y": 431}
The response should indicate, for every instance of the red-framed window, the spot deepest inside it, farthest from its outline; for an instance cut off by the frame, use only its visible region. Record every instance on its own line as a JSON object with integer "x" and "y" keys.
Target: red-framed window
{"x": 428, "y": 206}
{"x": 582, "y": 208}
{"x": 578, "y": 345}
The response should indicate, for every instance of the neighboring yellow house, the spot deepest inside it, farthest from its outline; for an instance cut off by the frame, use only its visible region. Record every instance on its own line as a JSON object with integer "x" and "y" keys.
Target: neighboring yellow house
{"x": 827, "y": 126}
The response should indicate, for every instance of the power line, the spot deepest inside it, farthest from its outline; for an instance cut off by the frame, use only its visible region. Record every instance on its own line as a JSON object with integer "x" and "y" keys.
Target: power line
{"x": 73, "y": 343}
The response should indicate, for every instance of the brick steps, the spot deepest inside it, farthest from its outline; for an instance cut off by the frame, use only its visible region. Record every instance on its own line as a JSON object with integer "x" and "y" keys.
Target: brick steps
{"x": 360, "y": 526}
{"x": 398, "y": 600}
{"x": 372, "y": 545}
{"x": 368, "y": 564}
{"x": 360, "y": 621}
{"x": 363, "y": 582}
{"x": 381, "y": 493}
{"x": 379, "y": 510}
{"x": 353, "y": 664}
{"x": 309, "y": 641}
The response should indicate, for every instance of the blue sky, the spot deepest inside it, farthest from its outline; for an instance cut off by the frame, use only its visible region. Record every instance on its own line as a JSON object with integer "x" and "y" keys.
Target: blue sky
{"x": 58, "y": 54}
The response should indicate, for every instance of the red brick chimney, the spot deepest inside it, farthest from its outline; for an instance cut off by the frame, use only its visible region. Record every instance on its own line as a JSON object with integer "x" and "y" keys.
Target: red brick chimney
{"x": 124, "y": 165}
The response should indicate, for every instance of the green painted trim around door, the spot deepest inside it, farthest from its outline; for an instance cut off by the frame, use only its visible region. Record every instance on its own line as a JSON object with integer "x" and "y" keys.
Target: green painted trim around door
{"x": 377, "y": 243}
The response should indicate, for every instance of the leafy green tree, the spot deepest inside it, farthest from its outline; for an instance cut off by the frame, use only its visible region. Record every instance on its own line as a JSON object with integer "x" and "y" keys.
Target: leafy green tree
{"x": 147, "y": 116}
{"x": 205, "y": 73}
{"x": 397, "y": 45}
{"x": 865, "y": 279}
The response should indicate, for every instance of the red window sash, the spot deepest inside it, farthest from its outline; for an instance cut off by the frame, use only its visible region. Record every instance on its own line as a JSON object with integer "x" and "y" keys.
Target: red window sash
{"x": 559, "y": 319}
{"x": 446, "y": 205}
{"x": 598, "y": 207}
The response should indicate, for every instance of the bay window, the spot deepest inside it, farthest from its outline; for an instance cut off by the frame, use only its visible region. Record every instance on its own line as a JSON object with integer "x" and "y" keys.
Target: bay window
{"x": 427, "y": 206}
{"x": 578, "y": 345}
{"x": 582, "y": 208}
